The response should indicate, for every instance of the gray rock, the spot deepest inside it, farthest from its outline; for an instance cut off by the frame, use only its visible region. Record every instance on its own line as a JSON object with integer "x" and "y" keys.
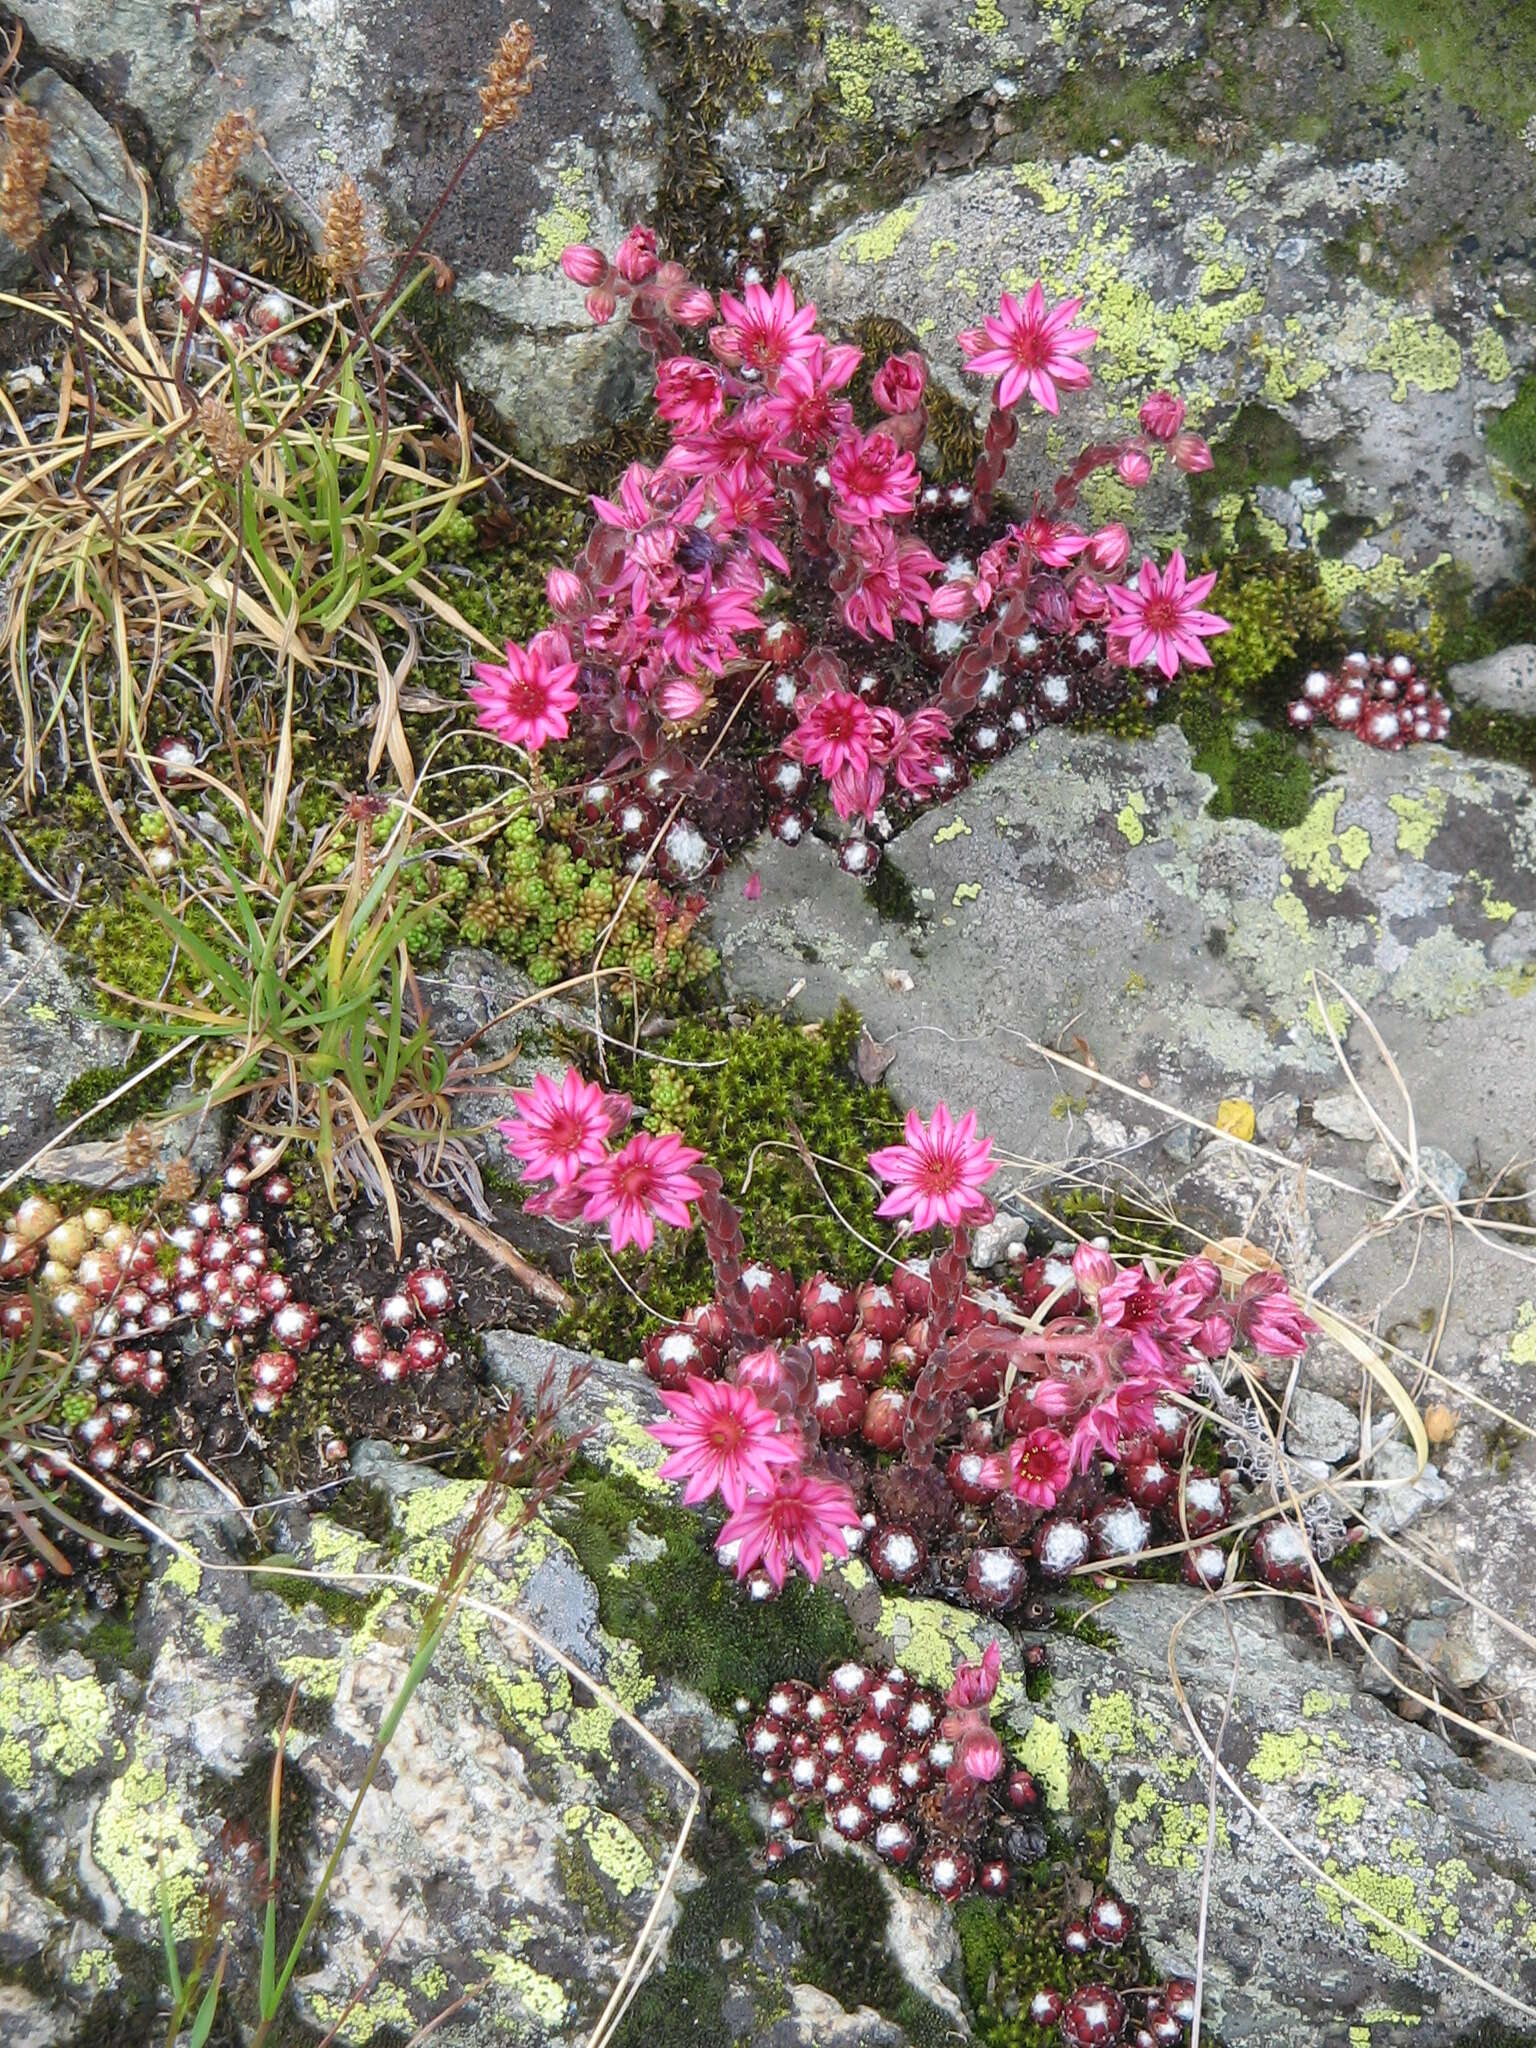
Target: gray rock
{"x": 398, "y": 89}
{"x": 49, "y": 1035}
{"x": 1505, "y": 681}
{"x": 1275, "y": 1118}
{"x": 27, "y": 1920}
{"x": 1080, "y": 882}
{"x": 1319, "y": 1427}
{"x": 1343, "y": 1113}
{"x": 1221, "y": 281}
{"x": 89, "y": 168}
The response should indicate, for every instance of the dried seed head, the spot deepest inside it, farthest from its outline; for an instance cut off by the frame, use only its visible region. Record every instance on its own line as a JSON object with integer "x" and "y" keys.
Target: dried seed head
{"x": 221, "y": 433}
{"x": 344, "y": 247}
{"x": 141, "y": 1148}
{"x": 214, "y": 173}
{"x": 1439, "y": 1422}
{"x": 179, "y": 1180}
{"x": 510, "y": 78}
{"x": 23, "y": 174}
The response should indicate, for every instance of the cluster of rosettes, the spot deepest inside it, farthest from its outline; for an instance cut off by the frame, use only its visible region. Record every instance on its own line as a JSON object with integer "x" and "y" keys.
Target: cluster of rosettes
{"x": 770, "y": 476}
{"x": 1097, "y": 2015}
{"x": 399, "y": 1337}
{"x": 242, "y": 314}
{"x": 1381, "y": 699}
{"x": 1002, "y": 1518}
{"x": 923, "y": 1780}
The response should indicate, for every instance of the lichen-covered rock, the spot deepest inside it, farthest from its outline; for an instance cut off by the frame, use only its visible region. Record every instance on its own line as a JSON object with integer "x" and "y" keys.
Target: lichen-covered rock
{"x": 1222, "y": 282}
{"x": 1081, "y": 891}
{"x": 49, "y": 1035}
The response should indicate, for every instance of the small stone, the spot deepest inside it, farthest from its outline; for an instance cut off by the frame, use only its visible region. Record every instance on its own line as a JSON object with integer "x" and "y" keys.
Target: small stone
{"x": 1317, "y": 1426}
{"x": 1277, "y": 1118}
{"x": 1505, "y": 681}
{"x": 1345, "y": 1115}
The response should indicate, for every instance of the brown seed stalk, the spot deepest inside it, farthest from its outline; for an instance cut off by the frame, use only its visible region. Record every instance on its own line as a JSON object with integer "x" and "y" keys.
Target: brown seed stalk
{"x": 214, "y": 173}
{"x": 23, "y": 173}
{"x": 344, "y": 246}
{"x": 510, "y": 78}
{"x": 221, "y": 431}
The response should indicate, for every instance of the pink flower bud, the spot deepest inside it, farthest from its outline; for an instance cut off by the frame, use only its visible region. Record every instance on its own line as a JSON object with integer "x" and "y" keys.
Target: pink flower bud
{"x": 691, "y": 308}
{"x": 1133, "y": 466}
{"x": 955, "y": 600}
{"x": 669, "y": 276}
{"x": 1215, "y": 1336}
{"x": 1088, "y": 599}
{"x": 1162, "y": 415}
{"x": 899, "y": 383}
{"x": 565, "y": 591}
{"x": 583, "y": 264}
{"x": 975, "y": 1684}
{"x": 752, "y": 888}
{"x": 1092, "y": 1268}
{"x": 1190, "y": 453}
{"x": 635, "y": 258}
{"x": 1050, "y": 606}
{"x": 1108, "y": 549}
{"x": 680, "y": 698}
{"x": 980, "y": 1755}
{"x": 761, "y": 1370}
{"x": 602, "y": 304}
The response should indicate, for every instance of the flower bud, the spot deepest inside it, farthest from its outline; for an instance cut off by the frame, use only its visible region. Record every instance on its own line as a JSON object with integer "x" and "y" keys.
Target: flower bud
{"x": 1190, "y": 452}
{"x": 1092, "y": 1268}
{"x": 635, "y": 258}
{"x": 565, "y": 591}
{"x": 1107, "y": 550}
{"x": 899, "y": 383}
{"x": 1133, "y": 466}
{"x": 602, "y": 304}
{"x": 980, "y": 1755}
{"x": 1162, "y": 415}
{"x": 691, "y": 307}
{"x": 583, "y": 264}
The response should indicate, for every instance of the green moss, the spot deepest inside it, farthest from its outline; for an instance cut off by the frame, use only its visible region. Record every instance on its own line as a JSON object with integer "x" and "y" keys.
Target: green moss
{"x": 88, "y": 1089}
{"x": 1512, "y": 433}
{"x": 1480, "y": 53}
{"x": 1265, "y": 777}
{"x": 739, "y": 1096}
{"x": 688, "y": 1618}
{"x": 546, "y": 905}
{"x": 841, "y": 1932}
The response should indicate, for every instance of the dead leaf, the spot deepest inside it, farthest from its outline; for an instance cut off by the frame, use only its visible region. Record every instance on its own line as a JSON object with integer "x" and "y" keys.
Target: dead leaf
{"x": 872, "y": 1058}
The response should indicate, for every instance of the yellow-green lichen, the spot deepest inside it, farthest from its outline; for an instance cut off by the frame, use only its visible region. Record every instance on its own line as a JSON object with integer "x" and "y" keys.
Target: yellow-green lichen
{"x": 1044, "y": 1754}
{"x": 357, "y": 2018}
{"x": 1490, "y": 358}
{"x": 143, "y": 1844}
{"x": 564, "y": 221}
{"x": 1128, "y": 821}
{"x": 184, "y": 1573}
{"x": 1282, "y": 1756}
{"x": 861, "y": 65}
{"x": 1319, "y": 851}
{"x": 1417, "y": 355}
{"x": 318, "y": 1678}
{"x": 540, "y": 1996}
{"x": 58, "y": 1721}
{"x": 876, "y": 244}
{"x": 1419, "y": 818}
{"x": 1522, "y": 1344}
{"x": 614, "y": 1848}
{"x": 1338, "y": 1809}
